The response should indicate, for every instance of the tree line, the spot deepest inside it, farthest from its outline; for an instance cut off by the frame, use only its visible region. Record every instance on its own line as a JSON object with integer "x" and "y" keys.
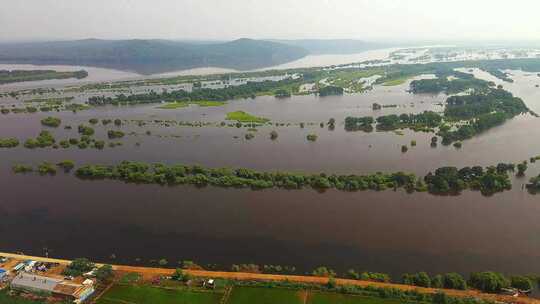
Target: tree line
{"x": 248, "y": 90}
{"x": 444, "y": 180}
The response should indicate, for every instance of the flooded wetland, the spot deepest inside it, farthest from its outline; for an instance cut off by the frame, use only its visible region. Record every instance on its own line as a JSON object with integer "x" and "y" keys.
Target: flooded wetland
{"x": 389, "y": 231}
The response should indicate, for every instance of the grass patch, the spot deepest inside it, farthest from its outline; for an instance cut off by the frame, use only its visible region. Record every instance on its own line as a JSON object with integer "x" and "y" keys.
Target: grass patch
{"x": 130, "y": 278}
{"x": 122, "y": 294}
{"x": 335, "y": 298}
{"x": 249, "y": 295}
{"x": 178, "y": 105}
{"x": 395, "y": 82}
{"x": 242, "y": 116}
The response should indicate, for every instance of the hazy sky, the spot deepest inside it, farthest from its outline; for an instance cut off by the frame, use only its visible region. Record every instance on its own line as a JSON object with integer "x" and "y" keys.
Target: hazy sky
{"x": 230, "y": 19}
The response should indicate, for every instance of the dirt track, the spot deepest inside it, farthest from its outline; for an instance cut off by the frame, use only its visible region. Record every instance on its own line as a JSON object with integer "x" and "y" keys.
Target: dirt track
{"x": 148, "y": 272}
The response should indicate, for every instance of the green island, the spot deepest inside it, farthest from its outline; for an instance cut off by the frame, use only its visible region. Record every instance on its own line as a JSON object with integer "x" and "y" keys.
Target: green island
{"x": 34, "y": 75}
{"x": 464, "y": 116}
{"x": 241, "y": 116}
{"x": 51, "y": 122}
{"x": 443, "y": 181}
{"x": 9, "y": 142}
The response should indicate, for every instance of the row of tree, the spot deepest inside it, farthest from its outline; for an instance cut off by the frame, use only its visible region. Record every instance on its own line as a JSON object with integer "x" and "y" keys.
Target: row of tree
{"x": 487, "y": 281}
{"x": 444, "y": 180}
{"x": 248, "y": 90}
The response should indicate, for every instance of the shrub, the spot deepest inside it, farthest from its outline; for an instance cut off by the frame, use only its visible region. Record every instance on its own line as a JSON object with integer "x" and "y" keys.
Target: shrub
{"x": 67, "y": 165}
{"x": 64, "y": 144}
{"x": 181, "y": 275}
{"x": 99, "y": 144}
{"x": 112, "y": 134}
{"x": 9, "y": 142}
{"x": 454, "y": 280}
{"x": 322, "y": 271}
{"x": 104, "y": 273}
{"x": 489, "y": 281}
{"x": 51, "y": 122}
{"x": 375, "y": 276}
{"x": 22, "y": 168}
{"x": 522, "y": 167}
{"x": 44, "y": 139}
{"x": 521, "y": 282}
{"x": 78, "y": 267}
{"x": 86, "y": 130}
{"x": 46, "y": 169}
{"x": 418, "y": 279}
{"x": 163, "y": 262}
{"x": 437, "y": 281}
{"x": 311, "y": 137}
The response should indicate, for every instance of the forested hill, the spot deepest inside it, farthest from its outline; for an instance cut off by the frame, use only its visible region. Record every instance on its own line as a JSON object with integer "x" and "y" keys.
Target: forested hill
{"x": 335, "y": 46}
{"x": 153, "y": 56}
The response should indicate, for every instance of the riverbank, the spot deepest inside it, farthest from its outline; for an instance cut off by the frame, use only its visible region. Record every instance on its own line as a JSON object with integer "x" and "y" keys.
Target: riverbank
{"x": 148, "y": 273}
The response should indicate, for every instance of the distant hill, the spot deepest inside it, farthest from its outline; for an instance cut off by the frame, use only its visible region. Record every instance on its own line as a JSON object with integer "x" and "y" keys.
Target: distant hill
{"x": 153, "y": 56}
{"x": 335, "y": 46}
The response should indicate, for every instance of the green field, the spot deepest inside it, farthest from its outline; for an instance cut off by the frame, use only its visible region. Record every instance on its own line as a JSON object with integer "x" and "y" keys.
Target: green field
{"x": 5, "y": 299}
{"x": 248, "y": 295}
{"x": 242, "y": 116}
{"x": 123, "y": 294}
{"x": 178, "y": 105}
{"x": 335, "y": 298}
{"x": 130, "y": 278}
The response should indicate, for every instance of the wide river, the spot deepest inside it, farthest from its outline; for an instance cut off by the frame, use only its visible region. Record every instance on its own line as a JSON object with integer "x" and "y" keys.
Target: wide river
{"x": 389, "y": 231}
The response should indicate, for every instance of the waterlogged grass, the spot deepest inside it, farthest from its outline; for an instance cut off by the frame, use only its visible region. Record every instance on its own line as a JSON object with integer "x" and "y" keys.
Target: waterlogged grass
{"x": 122, "y": 294}
{"x": 395, "y": 82}
{"x": 250, "y": 295}
{"x": 242, "y": 116}
{"x": 50, "y": 101}
{"x": 335, "y": 298}
{"x": 179, "y": 105}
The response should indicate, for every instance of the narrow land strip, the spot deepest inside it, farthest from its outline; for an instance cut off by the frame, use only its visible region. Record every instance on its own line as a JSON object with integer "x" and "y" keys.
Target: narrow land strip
{"x": 149, "y": 272}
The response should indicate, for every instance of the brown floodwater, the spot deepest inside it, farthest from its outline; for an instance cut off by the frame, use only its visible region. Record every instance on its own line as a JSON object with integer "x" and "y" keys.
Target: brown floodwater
{"x": 389, "y": 231}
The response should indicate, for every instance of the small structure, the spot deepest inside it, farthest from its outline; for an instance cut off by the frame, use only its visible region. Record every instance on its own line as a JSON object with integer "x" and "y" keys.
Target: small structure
{"x": 19, "y": 266}
{"x": 75, "y": 292}
{"x": 35, "y": 283}
{"x": 510, "y": 292}
{"x": 3, "y": 274}
{"x": 210, "y": 283}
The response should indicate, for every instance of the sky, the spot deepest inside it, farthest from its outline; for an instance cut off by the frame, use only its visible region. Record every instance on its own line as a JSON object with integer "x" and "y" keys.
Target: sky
{"x": 396, "y": 20}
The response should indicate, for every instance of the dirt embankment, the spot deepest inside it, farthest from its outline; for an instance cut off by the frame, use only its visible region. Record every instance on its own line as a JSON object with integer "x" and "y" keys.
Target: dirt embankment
{"x": 149, "y": 272}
